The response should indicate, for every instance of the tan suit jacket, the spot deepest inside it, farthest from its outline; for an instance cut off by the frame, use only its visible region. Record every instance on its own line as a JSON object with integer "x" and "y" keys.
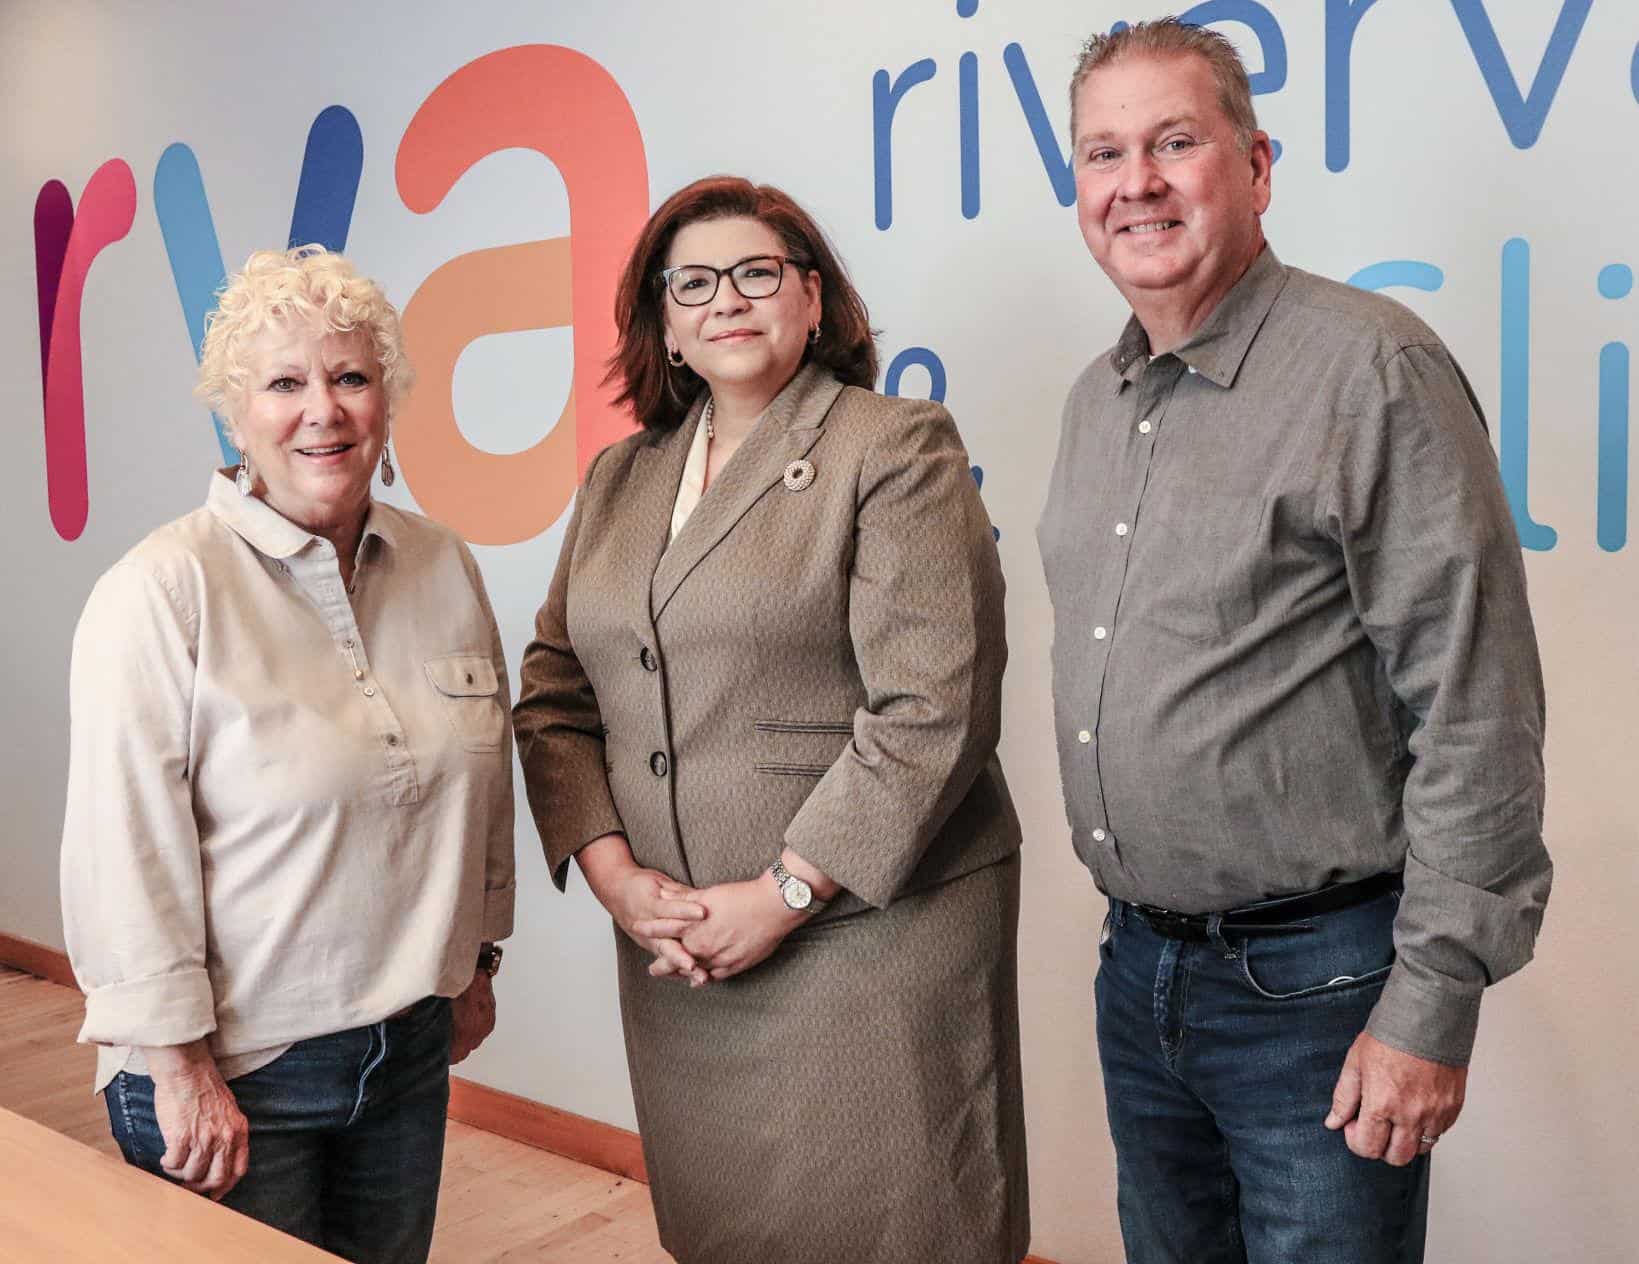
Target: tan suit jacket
{"x": 820, "y": 666}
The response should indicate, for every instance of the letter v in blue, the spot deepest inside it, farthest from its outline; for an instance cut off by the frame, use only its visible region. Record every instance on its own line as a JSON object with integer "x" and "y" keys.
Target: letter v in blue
{"x": 325, "y": 195}
{"x": 1523, "y": 116}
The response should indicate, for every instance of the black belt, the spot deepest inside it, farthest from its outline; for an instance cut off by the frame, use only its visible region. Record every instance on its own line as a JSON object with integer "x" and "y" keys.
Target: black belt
{"x": 1283, "y": 916}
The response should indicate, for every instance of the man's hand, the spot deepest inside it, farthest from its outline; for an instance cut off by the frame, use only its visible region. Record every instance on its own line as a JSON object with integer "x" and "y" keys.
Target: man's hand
{"x": 1387, "y": 1101}
{"x": 745, "y": 922}
{"x": 207, "y": 1137}
{"x": 472, "y": 1016}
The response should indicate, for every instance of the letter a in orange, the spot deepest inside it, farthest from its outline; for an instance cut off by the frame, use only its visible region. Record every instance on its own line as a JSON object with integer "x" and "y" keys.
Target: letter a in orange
{"x": 566, "y": 107}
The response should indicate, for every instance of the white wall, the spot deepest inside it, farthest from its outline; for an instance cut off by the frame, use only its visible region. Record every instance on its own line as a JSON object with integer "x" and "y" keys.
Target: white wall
{"x": 1537, "y": 1169}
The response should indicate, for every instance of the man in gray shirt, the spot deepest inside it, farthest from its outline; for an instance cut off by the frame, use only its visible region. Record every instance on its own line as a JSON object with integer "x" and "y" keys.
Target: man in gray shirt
{"x": 1298, "y": 703}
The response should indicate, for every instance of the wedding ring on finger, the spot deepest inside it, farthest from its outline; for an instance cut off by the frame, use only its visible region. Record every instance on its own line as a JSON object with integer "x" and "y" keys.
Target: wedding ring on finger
{"x": 1427, "y": 1140}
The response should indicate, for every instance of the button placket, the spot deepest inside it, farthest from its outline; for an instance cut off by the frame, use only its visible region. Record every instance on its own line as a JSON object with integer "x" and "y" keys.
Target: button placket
{"x": 1150, "y": 401}
{"x": 320, "y": 580}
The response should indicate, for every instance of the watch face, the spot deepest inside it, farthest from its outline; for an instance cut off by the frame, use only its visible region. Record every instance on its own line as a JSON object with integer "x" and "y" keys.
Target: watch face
{"x": 798, "y": 894}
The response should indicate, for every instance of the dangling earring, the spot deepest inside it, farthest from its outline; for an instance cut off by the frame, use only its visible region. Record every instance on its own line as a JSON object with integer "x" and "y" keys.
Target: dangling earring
{"x": 674, "y": 357}
{"x": 243, "y": 480}
{"x": 814, "y": 336}
{"x": 389, "y": 475}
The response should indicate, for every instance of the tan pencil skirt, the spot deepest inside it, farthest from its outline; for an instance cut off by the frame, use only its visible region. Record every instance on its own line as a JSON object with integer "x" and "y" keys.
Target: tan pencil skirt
{"x": 854, "y": 1098}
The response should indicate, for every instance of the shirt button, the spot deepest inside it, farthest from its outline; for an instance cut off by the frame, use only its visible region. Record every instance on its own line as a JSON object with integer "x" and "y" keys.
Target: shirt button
{"x": 1084, "y": 737}
{"x": 392, "y": 739}
{"x": 369, "y": 691}
{"x": 1099, "y": 836}
{"x": 647, "y": 658}
{"x": 1144, "y": 427}
{"x": 1121, "y": 528}
{"x": 657, "y": 763}
{"x": 1099, "y": 633}
{"x": 357, "y": 674}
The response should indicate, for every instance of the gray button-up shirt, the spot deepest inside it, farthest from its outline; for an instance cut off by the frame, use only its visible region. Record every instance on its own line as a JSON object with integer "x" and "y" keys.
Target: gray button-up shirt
{"x": 1292, "y": 645}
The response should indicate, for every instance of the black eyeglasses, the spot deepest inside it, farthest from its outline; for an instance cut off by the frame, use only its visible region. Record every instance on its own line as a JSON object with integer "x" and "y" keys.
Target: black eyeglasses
{"x": 694, "y": 284}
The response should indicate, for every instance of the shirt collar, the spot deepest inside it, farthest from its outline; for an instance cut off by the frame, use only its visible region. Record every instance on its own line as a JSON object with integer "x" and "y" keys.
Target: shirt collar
{"x": 1217, "y": 349}
{"x": 269, "y": 532}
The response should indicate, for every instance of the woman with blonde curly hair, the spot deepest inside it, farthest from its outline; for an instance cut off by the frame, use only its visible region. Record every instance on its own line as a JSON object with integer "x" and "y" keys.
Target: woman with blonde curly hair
{"x": 288, "y": 845}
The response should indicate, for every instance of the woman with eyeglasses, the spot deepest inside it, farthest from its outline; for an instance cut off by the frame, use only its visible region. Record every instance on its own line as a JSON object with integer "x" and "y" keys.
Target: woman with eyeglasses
{"x": 760, "y": 711}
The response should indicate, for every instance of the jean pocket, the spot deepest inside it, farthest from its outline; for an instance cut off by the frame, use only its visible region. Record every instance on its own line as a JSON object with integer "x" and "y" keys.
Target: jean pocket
{"x": 1346, "y": 951}
{"x": 436, "y": 1013}
{"x": 468, "y": 687}
{"x": 132, "y": 1120}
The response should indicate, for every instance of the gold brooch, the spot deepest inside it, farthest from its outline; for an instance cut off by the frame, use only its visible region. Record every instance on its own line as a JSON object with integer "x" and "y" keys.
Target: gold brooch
{"x": 799, "y": 476}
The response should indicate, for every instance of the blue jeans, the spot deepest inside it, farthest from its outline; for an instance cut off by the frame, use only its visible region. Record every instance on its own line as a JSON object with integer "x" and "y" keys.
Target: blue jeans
{"x": 1219, "y": 1062}
{"x": 346, "y": 1136}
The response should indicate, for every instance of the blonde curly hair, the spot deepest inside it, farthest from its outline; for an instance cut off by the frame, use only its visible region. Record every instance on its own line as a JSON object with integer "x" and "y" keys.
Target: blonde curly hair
{"x": 305, "y": 285}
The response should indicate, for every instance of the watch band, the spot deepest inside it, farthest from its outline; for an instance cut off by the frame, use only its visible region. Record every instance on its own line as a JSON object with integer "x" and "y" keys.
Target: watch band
{"x": 489, "y": 960}
{"x": 792, "y": 886}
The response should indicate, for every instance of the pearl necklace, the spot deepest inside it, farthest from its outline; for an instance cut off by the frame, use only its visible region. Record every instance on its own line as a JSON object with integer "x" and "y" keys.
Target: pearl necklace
{"x": 705, "y": 420}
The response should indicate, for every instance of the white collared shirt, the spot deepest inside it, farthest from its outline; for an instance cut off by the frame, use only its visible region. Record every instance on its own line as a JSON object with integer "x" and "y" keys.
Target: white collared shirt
{"x": 290, "y": 807}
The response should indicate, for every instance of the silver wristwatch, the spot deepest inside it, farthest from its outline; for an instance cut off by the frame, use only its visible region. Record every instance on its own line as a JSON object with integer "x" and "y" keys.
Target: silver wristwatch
{"x": 797, "y": 894}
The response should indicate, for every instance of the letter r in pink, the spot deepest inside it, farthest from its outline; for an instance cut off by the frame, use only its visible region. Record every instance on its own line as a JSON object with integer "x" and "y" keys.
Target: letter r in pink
{"x": 65, "y": 244}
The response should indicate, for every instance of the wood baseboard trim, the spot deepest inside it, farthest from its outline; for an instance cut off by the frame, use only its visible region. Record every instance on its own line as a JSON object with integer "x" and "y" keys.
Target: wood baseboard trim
{"x": 588, "y": 1141}
{"x": 36, "y": 959}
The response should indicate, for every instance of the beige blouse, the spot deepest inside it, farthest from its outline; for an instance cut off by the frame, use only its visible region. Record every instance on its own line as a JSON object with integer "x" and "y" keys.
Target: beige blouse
{"x": 289, "y": 807}
{"x": 692, "y": 485}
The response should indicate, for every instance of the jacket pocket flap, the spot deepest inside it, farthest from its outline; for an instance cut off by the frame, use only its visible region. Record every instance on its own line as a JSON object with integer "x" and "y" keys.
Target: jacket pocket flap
{"x": 463, "y": 675}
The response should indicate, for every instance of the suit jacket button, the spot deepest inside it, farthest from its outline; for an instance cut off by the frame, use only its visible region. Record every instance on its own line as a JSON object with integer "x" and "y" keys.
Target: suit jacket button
{"x": 647, "y": 658}
{"x": 657, "y": 763}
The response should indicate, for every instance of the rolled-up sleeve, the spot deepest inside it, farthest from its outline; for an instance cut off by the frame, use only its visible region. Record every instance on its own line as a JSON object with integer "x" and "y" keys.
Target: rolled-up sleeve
{"x": 133, "y": 904}
{"x": 925, "y": 611}
{"x": 1435, "y": 568}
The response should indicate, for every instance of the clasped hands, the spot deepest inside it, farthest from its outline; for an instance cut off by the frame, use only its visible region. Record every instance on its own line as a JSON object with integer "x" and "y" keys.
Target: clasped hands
{"x": 695, "y": 935}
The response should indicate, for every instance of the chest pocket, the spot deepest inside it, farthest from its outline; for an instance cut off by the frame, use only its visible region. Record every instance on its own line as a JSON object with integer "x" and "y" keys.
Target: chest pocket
{"x": 467, "y": 686}
{"x": 1195, "y": 560}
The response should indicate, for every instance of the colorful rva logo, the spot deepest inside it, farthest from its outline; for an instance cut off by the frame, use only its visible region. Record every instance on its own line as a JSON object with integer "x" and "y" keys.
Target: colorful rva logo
{"x": 552, "y": 100}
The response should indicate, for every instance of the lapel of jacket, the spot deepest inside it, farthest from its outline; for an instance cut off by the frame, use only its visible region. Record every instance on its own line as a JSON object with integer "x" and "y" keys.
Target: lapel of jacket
{"x": 651, "y": 496}
{"x": 794, "y": 423}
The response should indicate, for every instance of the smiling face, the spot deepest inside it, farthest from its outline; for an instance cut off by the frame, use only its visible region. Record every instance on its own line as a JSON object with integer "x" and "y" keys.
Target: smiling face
{"x": 312, "y": 419}
{"x": 748, "y": 347}
{"x": 1167, "y": 198}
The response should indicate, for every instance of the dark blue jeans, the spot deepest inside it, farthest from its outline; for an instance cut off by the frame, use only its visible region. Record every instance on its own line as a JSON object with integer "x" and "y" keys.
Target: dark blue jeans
{"x": 1219, "y": 1062}
{"x": 346, "y": 1136}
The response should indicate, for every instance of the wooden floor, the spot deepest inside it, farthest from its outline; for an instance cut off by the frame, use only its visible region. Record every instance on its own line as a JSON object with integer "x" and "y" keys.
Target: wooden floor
{"x": 501, "y": 1200}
